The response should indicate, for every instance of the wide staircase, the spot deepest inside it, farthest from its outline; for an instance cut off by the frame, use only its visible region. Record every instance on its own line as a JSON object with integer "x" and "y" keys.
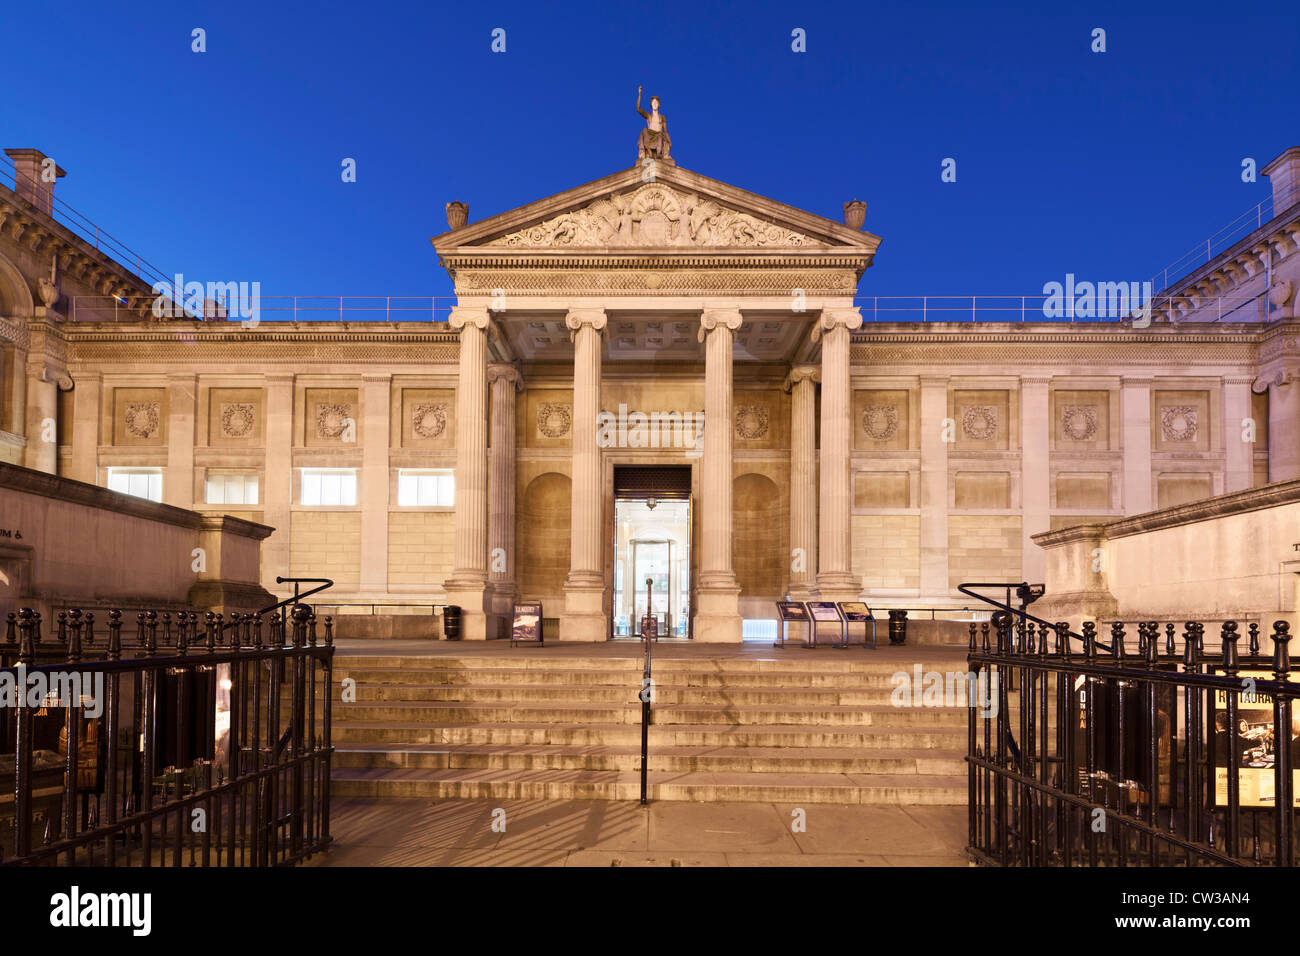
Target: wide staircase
{"x": 810, "y": 727}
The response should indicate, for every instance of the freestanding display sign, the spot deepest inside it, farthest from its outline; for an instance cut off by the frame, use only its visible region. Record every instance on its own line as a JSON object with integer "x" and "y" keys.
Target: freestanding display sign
{"x": 791, "y": 611}
{"x": 527, "y": 625}
{"x": 827, "y": 612}
{"x": 855, "y": 612}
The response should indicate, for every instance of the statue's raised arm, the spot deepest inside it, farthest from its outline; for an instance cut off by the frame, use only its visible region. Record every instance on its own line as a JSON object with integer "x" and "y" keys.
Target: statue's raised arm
{"x": 644, "y": 114}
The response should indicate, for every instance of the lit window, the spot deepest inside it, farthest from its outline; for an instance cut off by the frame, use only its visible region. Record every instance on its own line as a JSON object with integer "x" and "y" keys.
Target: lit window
{"x": 329, "y": 486}
{"x": 232, "y": 489}
{"x": 425, "y": 488}
{"x": 140, "y": 482}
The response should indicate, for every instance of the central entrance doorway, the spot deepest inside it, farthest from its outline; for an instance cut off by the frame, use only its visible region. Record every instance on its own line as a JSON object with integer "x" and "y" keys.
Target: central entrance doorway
{"x": 652, "y": 540}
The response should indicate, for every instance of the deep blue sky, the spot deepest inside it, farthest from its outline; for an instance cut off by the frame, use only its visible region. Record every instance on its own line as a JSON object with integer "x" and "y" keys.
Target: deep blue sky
{"x": 226, "y": 165}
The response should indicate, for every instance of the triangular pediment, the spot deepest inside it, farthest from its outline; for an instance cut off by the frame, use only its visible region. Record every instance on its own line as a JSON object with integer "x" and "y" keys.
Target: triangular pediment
{"x": 678, "y": 211}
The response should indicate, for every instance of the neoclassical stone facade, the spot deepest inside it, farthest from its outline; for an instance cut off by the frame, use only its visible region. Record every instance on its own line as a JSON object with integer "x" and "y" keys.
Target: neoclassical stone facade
{"x": 840, "y": 458}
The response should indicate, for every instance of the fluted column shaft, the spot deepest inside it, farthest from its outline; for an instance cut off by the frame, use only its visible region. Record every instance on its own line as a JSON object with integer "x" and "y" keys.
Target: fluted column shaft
{"x": 802, "y": 385}
{"x": 585, "y": 562}
{"x": 470, "y": 553}
{"x": 584, "y": 617}
{"x": 504, "y": 381}
{"x": 835, "y": 574}
{"x": 716, "y": 327}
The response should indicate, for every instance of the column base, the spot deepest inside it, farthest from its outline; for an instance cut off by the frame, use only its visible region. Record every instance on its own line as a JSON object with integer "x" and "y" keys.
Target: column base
{"x": 583, "y": 618}
{"x": 838, "y": 586}
{"x": 803, "y": 592}
{"x": 501, "y": 597}
{"x": 717, "y": 615}
{"x": 477, "y": 620}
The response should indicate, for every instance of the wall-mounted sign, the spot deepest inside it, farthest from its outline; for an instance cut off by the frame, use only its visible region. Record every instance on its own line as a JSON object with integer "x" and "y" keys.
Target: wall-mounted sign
{"x": 527, "y": 625}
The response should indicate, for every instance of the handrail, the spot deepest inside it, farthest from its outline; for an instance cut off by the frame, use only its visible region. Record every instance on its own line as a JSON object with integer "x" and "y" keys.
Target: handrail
{"x": 647, "y": 692}
{"x": 325, "y": 583}
{"x": 1024, "y": 591}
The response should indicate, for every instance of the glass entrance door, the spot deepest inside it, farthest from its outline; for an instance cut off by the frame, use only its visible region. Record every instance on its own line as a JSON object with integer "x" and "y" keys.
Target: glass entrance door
{"x": 652, "y": 541}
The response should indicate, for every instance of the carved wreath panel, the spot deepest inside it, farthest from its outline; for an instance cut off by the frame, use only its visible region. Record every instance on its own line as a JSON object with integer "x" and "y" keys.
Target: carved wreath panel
{"x": 1079, "y": 422}
{"x": 142, "y": 418}
{"x": 332, "y": 419}
{"x": 1178, "y": 422}
{"x": 238, "y": 419}
{"x": 654, "y": 215}
{"x": 429, "y": 419}
{"x": 751, "y": 422}
{"x": 980, "y": 422}
{"x": 554, "y": 419}
{"x": 880, "y": 422}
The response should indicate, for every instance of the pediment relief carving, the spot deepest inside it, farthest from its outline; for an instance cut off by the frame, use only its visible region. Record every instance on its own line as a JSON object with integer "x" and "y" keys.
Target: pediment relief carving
{"x": 654, "y": 215}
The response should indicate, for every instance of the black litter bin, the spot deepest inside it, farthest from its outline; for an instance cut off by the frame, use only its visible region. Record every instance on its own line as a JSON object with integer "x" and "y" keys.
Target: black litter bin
{"x": 897, "y": 627}
{"x": 451, "y": 622}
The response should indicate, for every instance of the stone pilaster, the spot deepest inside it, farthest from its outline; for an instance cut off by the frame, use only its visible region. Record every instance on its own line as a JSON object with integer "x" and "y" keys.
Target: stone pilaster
{"x": 42, "y": 451}
{"x": 802, "y": 385}
{"x": 717, "y": 601}
{"x": 1283, "y": 423}
{"x": 835, "y": 578}
{"x": 504, "y": 381}
{"x": 935, "y": 442}
{"x": 584, "y": 589}
{"x": 87, "y": 396}
{"x": 1239, "y": 455}
{"x": 467, "y": 586}
{"x": 1035, "y": 473}
{"x": 375, "y": 437}
{"x": 277, "y": 490}
{"x": 182, "y": 410}
{"x": 1135, "y": 435}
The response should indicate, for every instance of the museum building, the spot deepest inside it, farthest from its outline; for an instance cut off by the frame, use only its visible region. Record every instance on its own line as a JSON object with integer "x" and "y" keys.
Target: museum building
{"x": 654, "y": 376}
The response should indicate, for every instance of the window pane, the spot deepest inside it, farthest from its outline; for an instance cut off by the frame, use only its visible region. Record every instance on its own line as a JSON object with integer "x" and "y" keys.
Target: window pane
{"x": 329, "y": 489}
{"x": 407, "y": 489}
{"x": 250, "y": 490}
{"x": 117, "y": 481}
{"x": 216, "y": 489}
{"x": 155, "y": 488}
{"x": 447, "y": 490}
{"x": 349, "y": 489}
{"x": 310, "y": 488}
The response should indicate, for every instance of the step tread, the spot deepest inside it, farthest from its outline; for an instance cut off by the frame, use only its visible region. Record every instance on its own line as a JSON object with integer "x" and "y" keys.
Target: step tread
{"x": 683, "y": 778}
{"x": 804, "y": 753}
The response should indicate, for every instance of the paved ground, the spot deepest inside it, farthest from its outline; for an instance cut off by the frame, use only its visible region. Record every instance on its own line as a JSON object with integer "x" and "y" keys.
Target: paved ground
{"x": 419, "y": 832}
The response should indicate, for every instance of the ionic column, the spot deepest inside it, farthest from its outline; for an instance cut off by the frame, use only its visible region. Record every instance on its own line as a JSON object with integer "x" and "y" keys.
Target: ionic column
{"x": 835, "y": 578}
{"x": 801, "y": 383}
{"x": 934, "y": 487}
{"x": 504, "y": 381}
{"x": 376, "y": 405}
{"x": 584, "y": 589}
{"x": 717, "y": 604}
{"x": 1239, "y": 454}
{"x": 182, "y": 409}
{"x": 1035, "y": 478}
{"x": 1283, "y": 423}
{"x": 467, "y": 585}
{"x": 1135, "y": 418}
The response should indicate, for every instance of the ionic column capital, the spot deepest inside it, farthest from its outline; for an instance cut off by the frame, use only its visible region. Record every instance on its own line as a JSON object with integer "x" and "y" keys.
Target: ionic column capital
{"x": 1283, "y": 376}
{"x": 710, "y": 319}
{"x": 802, "y": 373}
{"x": 505, "y": 373}
{"x": 832, "y": 319}
{"x": 462, "y": 318}
{"x": 575, "y": 319}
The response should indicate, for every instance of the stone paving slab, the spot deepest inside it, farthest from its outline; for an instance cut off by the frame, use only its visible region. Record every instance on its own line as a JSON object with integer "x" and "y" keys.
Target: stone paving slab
{"x": 423, "y": 832}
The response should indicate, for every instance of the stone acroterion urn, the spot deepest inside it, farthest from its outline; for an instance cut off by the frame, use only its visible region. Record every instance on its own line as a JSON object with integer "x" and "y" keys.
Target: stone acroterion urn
{"x": 855, "y": 213}
{"x": 457, "y": 214}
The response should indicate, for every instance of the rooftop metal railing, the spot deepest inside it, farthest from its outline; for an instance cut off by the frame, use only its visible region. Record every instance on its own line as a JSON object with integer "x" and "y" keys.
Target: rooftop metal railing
{"x": 91, "y": 232}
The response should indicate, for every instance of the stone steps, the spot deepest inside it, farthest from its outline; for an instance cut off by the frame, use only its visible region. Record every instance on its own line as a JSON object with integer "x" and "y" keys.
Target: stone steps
{"x": 812, "y": 729}
{"x": 870, "y": 788}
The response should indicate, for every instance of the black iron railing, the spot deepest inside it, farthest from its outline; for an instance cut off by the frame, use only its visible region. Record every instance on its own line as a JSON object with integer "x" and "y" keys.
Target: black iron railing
{"x": 211, "y": 746}
{"x": 1157, "y": 755}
